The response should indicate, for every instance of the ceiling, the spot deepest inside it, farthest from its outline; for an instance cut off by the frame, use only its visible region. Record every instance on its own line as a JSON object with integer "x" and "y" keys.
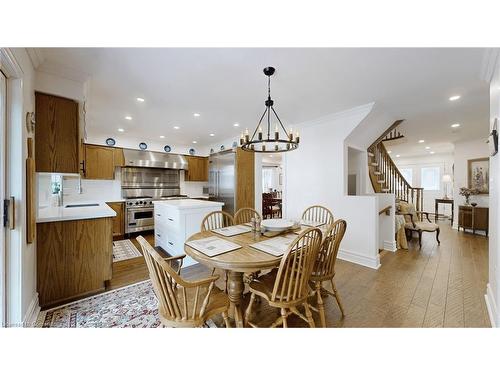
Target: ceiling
{"x": 227, "y": 86}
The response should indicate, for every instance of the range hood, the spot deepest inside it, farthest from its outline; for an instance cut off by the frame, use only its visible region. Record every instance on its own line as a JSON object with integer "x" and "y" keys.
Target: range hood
{"x": 150, "y": 159}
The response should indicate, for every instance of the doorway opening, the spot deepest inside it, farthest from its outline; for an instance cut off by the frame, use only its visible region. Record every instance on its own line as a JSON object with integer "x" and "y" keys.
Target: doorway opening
{"x": 272, "y": 186}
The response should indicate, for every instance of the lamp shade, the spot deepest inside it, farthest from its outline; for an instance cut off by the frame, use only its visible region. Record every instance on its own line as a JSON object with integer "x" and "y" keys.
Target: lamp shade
{"x": 446, "y": 178}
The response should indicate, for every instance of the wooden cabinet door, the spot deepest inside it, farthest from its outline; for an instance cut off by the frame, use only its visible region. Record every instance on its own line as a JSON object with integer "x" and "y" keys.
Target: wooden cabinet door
{"x": 197, "y": 168}
{"x": 56, "y": 135}
{"x": 119, "y": 158}
{"x": 99, "y": 163}
{"x": 119, "y": 219}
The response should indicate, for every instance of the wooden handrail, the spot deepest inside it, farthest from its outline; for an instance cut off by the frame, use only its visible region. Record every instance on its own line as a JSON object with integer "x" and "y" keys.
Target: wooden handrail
{"x": 386, "y": 177}
{"x": 387, "y": 211}
{"x": 388, "y": 130}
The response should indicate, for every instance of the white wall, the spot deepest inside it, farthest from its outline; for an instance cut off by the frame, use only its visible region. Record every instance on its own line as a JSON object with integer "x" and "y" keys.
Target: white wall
{"x": 492, "y": 74}
{"x": 463, "y": 152}
{"x": 316, "y": 173}
{"x": 386, "y": 227}
{"x": 445, "y": 163}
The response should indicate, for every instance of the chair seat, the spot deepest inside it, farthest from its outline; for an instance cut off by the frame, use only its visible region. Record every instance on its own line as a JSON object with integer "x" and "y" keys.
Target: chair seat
{"x": 423, "y": 226}
{"x": 264, "y": 284}
{"x": 217, "y": 303}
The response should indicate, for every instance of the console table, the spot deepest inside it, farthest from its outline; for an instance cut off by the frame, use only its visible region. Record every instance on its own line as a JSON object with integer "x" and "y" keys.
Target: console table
{"x": 475, "y": 218}
{"x": 443, "y": 201}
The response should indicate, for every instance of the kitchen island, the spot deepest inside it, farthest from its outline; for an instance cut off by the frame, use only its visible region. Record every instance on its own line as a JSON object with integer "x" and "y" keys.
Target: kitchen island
{"x": 177, "y": 220}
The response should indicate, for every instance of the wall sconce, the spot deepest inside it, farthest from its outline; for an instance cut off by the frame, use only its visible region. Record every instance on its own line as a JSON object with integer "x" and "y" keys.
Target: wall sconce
{"x": 30, "y": 122}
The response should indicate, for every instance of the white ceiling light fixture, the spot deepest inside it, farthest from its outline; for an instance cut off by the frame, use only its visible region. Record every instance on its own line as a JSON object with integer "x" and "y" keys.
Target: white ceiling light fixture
{"x": 176, "y": 128}
{"x": 236, "y": 125}
{"x": 398, "y": 155}
{"x": 432, "y": 152}
{"x": 195, "y": 141}
{"x": 140, "y": 100}
{"x": 453, "y": 98}
{"x": 389, "y": 152}
{"x": 128, "y": 118}
{"x": 427, "y": 147}
{"x": 212, "y": 134}
{"x": 196, "y": 115}
{"x": 121, "y": 130}
{"x": 421, "y": 141}
{"x": 162, "y": 136}
{"x": 455, "y": 125}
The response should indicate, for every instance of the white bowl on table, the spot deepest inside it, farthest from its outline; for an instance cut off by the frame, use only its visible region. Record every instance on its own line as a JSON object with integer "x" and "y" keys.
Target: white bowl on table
{"x": 277, "y": 225}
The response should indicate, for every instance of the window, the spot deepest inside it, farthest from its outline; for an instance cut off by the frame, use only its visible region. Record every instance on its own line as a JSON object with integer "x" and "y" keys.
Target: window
{"x": 430, "y": 178}
{"x": 407, "y": 174}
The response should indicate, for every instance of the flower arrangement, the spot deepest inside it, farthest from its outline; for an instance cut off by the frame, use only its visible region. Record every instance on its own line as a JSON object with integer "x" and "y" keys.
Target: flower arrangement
{"x": 467, "y": 192}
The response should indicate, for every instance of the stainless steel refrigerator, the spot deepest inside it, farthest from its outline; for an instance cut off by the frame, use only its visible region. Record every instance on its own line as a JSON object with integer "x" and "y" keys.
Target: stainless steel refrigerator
{"x": 222, "y": 179}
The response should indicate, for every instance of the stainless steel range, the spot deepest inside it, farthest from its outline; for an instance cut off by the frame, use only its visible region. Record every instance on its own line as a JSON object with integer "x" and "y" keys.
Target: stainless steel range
{"x": 141, "y": 186}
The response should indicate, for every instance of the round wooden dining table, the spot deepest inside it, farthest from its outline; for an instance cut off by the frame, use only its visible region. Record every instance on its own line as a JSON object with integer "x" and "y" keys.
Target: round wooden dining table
{"x": 237, "y": 262}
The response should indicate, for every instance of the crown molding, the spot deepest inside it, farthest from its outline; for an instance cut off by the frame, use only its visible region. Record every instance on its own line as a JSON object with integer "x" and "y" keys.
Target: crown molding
{"x": 488, "y": 64}
{"x": 36, "y": 56}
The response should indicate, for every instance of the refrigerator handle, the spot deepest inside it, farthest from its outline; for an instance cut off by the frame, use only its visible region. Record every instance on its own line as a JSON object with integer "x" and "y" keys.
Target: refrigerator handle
{"x": 217, "y": 183}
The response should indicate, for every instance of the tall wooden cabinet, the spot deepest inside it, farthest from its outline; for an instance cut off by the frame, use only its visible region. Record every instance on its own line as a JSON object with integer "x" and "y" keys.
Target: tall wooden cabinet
{"x": 197, "y": 168}
{"x": 56, "y": 134}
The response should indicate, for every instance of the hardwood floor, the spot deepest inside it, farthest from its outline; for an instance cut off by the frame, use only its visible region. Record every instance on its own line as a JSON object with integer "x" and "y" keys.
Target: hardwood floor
{"x": 436, "y": 286}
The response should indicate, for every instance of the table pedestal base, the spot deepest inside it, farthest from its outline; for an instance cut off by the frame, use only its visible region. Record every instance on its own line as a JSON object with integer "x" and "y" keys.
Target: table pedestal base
{"x": 235, "y": 288}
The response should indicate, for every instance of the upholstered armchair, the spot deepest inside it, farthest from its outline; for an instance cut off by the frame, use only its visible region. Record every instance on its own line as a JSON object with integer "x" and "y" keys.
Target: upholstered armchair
{"x": 415, "y": 221}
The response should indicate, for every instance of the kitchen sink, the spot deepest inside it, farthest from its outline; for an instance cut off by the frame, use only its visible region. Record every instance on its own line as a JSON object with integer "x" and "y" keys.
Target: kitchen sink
{"x": 82, "y": 205}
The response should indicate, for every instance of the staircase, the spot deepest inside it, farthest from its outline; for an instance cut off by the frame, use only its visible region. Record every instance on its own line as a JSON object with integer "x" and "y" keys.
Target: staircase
{"x": 385, "y": 176}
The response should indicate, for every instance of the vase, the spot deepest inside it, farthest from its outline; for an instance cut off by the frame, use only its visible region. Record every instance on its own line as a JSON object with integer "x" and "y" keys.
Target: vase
{"x": 467, "y": 200}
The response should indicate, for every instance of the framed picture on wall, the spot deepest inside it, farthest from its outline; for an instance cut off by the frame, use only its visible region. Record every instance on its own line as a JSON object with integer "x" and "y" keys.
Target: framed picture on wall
{"x": 478, "y": 175}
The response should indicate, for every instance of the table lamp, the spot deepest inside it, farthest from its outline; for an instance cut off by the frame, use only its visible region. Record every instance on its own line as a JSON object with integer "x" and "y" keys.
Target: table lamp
{"x": 446, "y": 180}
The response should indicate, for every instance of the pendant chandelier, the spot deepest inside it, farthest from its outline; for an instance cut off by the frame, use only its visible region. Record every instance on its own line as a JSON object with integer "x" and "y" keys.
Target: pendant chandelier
{"x": 280, "y": 140}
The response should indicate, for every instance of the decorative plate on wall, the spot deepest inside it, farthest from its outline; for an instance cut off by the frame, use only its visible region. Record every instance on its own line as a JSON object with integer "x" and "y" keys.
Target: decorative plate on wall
{"x": 192, "y": 151}
{"x": 222, "y": 148}
{"x": 167, "y": 148}
{"x": 110, "y": 142}
{"x": 143, "y": 146}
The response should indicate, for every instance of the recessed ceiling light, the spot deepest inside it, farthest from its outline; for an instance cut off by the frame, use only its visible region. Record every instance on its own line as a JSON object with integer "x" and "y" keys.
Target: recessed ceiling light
{"x": 398, "y": 155}
{"x": 427, "y": 147}
{"x": 196, "y": 114}
{"x": 140, "y": 100}
{"x": 421, "y": 141}
{"x": 121, "y": 130}
{"x": 212, "y": 134}
{"x": 176, "y": 128}
{"x": 162, "y": 136}
{"x": 195, "y": 141}
{"x": 454, "y": 97}
{"x": 128, "y": 118}
{"x": 455, "y": 125}
{"x": 432, "y": 152}
{"x": 389, "y": 151}
{"x": 236, "y": 125}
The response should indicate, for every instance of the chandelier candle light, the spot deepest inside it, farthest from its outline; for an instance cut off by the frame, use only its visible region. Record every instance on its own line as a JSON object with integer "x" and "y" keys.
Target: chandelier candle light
{"x": 271, "y": 144}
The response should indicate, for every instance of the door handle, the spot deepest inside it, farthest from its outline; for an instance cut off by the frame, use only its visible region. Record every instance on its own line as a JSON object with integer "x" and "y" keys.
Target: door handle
{"x": 9, "y": 213}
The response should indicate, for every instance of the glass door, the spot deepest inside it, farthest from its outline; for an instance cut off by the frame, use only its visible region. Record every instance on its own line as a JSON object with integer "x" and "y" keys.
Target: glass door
{"x": 3, "y": 143}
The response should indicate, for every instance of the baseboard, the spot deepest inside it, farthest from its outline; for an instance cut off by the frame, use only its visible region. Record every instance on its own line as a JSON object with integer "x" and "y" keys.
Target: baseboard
{"x": 359, "y": 259}
{"x": 491, "y": 306}
{"x": 390, "y": 246}
{"x": 32, "y": 312}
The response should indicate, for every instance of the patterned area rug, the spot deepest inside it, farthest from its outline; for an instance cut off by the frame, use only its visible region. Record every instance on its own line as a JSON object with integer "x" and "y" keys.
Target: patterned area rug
{"x": 133, "y": 306}
{"x": 123, "y": 250}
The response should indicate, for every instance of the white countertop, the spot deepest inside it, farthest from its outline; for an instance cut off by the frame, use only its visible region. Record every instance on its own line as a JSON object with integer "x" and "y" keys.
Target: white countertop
{"x": 184, "y": 204}
{"x": 50, "y": 214}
